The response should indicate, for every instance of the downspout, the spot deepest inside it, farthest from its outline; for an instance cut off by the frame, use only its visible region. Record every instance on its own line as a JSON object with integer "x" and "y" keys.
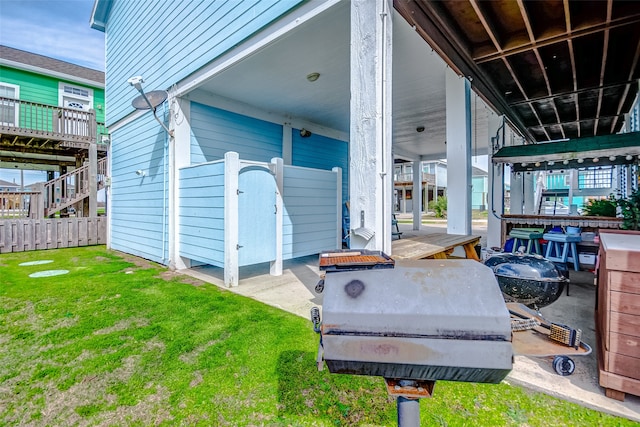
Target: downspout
{"x": 497, "y": 139}
{"x": 384, "y": 15}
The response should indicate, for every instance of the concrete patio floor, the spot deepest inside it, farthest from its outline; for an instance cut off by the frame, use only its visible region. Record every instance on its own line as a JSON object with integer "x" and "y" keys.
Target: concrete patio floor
{"x": 294, "y": 292}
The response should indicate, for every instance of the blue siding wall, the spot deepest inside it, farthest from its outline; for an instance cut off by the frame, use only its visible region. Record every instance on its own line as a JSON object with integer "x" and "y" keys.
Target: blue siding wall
{"x": 139, "y": 207}
{"x": 215, "y": 131}
{"x": 167, "y": 40}
{"x": 201, "y": 232}
{"x": 320, "y": 152}
{"x": 310, "y": 212}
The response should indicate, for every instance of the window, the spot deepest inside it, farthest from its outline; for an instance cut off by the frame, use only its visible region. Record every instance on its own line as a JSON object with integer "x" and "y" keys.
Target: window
{"x": 75, "y": 97}
{"x": 8, "y": 107}
{"x": 595, "y": 177}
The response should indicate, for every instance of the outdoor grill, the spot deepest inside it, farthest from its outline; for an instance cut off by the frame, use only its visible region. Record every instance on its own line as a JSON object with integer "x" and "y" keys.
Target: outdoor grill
{"x": 528, "y": 279}
{"x": 421, "y": 320}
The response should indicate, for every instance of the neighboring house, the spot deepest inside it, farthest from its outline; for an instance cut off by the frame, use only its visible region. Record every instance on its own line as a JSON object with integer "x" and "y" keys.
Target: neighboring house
{"x": 434, "y": 184}
{"x": 480, "y": 189}
{"x": 34, "y": 78}
{"x": 51, "y": 118}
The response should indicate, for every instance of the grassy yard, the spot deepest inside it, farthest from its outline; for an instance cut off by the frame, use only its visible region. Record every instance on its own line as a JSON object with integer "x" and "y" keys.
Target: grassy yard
{"x": 119, "y": 341}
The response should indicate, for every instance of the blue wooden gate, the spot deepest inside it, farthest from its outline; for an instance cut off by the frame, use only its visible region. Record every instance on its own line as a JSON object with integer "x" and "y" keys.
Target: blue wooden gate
{"x": 256, "y": 215}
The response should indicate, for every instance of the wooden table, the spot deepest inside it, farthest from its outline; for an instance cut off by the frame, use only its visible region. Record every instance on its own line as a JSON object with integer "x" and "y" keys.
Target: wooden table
{"x": 435, "y": 245}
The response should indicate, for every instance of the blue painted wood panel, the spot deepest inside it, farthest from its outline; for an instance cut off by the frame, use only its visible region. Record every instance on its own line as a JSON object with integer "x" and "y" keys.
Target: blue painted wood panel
{"x": 201, "y": 211}
{"x": 139, "y": 204}
{"x": 310, "y": 211}
{"x": 256, "y": 216}
{"x": 215, "y": 132}
{"x": 166, "y": 41}
{"x": 321, "y": 152}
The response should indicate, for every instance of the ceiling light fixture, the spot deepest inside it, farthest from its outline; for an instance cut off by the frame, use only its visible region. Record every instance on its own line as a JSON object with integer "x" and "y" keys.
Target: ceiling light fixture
{"x": 612, "y": 158}
{"x": 629, "y": 157}
{"x": 580, "y": 160}
{"x": 420, "y": 129}
{"x": 312, "y": 77}
{"x": 551, "y": 163}
{"x": 305, "y": 133}
{"x": 565, "y": 162}
{"x": 596, "y": 160}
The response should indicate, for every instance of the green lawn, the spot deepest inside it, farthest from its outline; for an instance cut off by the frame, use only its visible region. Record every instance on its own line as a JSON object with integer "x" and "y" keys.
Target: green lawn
{"x": 119, "y": 341}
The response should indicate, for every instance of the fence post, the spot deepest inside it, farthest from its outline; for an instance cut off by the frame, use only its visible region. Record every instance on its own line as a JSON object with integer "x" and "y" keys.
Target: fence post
{"x": 36, "y": 207}
{"x": 231, "y": 230}
{"x": 276, "y": 265}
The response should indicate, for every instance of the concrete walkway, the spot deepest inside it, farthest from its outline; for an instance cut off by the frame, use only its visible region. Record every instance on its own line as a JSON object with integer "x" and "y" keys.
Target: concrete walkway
{"x": 294, "y": 292}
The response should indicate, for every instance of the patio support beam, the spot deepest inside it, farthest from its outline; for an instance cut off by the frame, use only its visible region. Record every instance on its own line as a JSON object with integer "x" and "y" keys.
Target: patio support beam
{"x": 458, "y": 118}
{"x": 516, "y": 194}
{"x": 416, "y": 194}
{"x": 529, "y": 194}
{"x": 371, "y": 160}
{"x": 180, "y": 156}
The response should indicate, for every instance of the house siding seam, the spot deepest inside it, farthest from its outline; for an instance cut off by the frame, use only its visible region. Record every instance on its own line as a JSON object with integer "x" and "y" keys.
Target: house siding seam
{"x": 139, "y": 204}
{"x": 201, "y": 231}
{"x": 171, "y": 40}
{"x": 320, "y": 152}
{"x": 309, "y": 222}
{"x": 216, "y": 131}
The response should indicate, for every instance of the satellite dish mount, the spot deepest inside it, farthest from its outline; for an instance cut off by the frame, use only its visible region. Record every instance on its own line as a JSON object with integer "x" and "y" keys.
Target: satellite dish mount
{"x": 148, "y": 101}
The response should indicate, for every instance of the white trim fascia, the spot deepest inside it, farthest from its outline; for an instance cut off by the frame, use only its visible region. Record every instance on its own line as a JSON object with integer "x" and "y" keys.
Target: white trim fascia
{"x": 131, "y": 117}
{"x": 265, "y": 37}
{"x": 51, "y": 73}
{"x": 559, "y": 157}
{"x": 237, "y": 107}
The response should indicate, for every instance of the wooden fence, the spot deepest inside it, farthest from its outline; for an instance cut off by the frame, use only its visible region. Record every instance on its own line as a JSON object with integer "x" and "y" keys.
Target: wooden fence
{"x": 19, "y": 235}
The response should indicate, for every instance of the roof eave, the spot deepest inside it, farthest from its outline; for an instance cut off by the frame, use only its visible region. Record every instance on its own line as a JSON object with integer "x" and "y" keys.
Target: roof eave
{"x": 99, "y": 14}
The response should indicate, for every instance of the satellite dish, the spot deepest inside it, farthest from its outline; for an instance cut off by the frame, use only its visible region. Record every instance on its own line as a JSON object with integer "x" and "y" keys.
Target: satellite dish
{"x": 155, "y": 98}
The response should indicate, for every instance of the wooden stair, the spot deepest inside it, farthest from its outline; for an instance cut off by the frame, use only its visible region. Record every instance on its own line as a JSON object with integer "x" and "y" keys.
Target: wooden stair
{"x": 71, "y": 188}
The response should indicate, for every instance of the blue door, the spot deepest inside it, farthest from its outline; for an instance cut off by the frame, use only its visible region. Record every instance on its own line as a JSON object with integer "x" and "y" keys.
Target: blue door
{"x": 256, "y": 216}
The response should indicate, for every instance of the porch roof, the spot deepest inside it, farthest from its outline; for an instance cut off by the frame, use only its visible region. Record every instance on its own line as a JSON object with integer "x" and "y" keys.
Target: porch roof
{"x": 556, "y": 69}
{"x": 608, "y": 149}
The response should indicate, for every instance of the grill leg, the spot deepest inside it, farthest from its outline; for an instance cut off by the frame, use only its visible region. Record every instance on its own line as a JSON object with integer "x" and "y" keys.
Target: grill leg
{"x": 408, "y": 412}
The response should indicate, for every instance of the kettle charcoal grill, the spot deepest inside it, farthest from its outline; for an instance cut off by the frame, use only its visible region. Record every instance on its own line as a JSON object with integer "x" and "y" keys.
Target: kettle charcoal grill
{"x": 528, "y": 279}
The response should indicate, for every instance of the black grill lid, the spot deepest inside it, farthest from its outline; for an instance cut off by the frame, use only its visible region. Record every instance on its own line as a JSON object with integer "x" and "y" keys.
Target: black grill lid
{"x": 527, "y": 267}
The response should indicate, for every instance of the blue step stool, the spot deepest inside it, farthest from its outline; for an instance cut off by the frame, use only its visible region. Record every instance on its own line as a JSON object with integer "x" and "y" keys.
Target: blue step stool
{"x": 560, "y": 246}
{"x": 527, "y": 237}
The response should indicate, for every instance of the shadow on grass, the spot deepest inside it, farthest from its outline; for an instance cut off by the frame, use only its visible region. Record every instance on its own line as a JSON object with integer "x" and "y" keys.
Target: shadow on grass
{"x": 303, "y": 392}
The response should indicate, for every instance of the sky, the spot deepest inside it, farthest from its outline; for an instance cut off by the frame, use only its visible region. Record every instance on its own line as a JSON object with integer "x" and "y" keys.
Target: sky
{"x": 55, "y": 28}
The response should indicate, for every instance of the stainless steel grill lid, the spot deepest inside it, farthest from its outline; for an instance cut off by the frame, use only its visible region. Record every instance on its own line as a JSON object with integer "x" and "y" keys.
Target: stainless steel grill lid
{"x": 425, "y": 320}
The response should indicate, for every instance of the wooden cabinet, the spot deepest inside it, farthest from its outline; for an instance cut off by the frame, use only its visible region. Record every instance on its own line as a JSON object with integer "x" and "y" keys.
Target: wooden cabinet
{"x": 618, "y": 314}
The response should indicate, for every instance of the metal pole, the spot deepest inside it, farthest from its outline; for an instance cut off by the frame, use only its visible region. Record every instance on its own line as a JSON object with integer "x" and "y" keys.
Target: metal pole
{"x": 408, "y": 412}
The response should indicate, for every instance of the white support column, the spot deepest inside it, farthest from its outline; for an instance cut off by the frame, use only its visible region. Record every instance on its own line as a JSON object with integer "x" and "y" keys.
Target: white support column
{"x": 530, "y": 207}
{"x": 338, "y": 172}
{"x": 231, "y": 230}
{"x": 416, "y": 194}
{"x": 371, "y": 161}
{"x": 516, "y": 194}
{"x": 275, "y": 268}
{"x": 458, "y": 105}
{"x": 287, "y": 144}
{"x": 179, "y": 157}
{"x": 496, "y": 187}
